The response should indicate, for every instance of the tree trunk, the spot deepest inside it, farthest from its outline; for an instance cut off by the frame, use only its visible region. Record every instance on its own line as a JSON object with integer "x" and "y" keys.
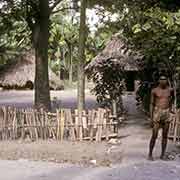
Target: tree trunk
{"x": 42, "y": 94}
{"x": 82, "y": 40}
{"x": 81, "y": 76}
{"x": 114, "y": 108}
{"x": 61, "y": 59}
{"x": 71, "y": 65}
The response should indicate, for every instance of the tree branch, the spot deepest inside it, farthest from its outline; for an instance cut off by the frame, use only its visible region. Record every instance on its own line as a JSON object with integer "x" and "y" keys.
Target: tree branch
{"x": 63, "y": 9}
{"x": 54, "y": 5}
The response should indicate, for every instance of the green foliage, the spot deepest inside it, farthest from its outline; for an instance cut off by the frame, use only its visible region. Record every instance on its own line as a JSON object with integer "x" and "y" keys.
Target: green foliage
{"x": 63, "y": 42}
{"x": 14, "y": 38}
{"x": 108, "y": 76}
{"x": 155, "y": 32}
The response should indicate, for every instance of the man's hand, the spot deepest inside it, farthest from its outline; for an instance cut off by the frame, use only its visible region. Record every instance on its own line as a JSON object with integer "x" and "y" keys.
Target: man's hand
{"x": 172, "y": 112}
{"x": 150, "y": 119}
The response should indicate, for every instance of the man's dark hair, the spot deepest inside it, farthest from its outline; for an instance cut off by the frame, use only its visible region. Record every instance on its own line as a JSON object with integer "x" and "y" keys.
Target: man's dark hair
{"x": 163, "y": 76}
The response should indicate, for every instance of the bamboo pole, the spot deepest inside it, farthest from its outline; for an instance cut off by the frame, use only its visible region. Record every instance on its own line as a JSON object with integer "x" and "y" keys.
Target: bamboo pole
{"x": 62, "y": 124}
{"x": 175, "y": 104}
{"x": 92, "y": 121}
{"x": 35, "y": 124}
{"x": 46, "y": 126}
{"x": 72, "y": 131}
{"x": 14, "y": 121}
{"x": 97, "y": 122}
{"x": 101, "y": 124}
{"x": 4, "y": 123}
{"x": 22, "y": 118}
{"x": 58, "y": 124}
{"x": 76, "y": 122}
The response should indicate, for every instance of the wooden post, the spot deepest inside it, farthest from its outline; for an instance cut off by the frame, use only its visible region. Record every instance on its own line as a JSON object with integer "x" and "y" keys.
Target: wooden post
{"x": 27, "y": 122}
{"x": 42, "y": 122}
{"x": 175, "y": 104}
{"x": 14, "y": 123}
{"x": 176, "y": 127}
{"x": 101, "y": 124}
{"x": 72, "y": 129}
{"x": 84, "y": 124}
{"x": 114, "y": 105}
{"x": 98, "y": 122}
{"x": 80, "y": 125}
{"x": 93, "y": 122}
{"x": 76, "y": 123}
{"x": 84, "y": 120}
{"x": 35, "y": 124}
{"x": 106, "y": 125}
{"x": 46, "y": 133}
{"x": 4, "y": 123}
{"x": 89, "y": 122}
{"x": 58, "y": 124}
{"x": 22, "y": 118}
{"x": 62, "y": 124}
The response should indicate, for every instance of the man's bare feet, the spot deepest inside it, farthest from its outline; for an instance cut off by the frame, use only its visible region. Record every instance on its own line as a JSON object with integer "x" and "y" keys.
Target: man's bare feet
{"x": 150, "y": 158}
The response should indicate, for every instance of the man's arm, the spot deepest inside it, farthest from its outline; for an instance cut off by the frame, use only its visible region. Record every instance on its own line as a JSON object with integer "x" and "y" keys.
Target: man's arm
{"x": 152, "y": 103}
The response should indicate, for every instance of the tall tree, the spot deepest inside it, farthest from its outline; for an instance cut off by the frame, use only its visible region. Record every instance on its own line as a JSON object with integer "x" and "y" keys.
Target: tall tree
{"x": 39, "y": 24}
{"x": 36, "y": 13}
{"x": 40, "y": 41}
{"x": 81, "y": 74}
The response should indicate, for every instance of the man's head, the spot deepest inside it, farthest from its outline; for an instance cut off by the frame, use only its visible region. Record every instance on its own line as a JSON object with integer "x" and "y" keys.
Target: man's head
{"x": 163, "y": 81}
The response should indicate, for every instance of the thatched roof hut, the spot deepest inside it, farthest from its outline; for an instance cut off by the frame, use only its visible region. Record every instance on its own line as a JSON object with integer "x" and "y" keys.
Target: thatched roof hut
{"x": 118, "y": 57}
{"x": 21, "y": 74}
{"x": 117, "y": 51}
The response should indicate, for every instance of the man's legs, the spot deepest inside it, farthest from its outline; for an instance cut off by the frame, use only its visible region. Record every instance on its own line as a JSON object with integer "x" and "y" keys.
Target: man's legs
{"x": 164, "y": 139}
{"x": 153, "y": 139}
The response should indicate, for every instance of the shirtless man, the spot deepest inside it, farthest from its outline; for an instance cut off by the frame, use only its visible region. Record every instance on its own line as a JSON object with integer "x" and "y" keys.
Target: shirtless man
{"x": 160, "y": 109}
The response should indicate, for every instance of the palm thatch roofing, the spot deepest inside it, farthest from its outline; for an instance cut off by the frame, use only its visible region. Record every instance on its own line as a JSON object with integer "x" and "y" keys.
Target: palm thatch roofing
{"x": 21, "y": 74}
{"x": 117, "y": 52}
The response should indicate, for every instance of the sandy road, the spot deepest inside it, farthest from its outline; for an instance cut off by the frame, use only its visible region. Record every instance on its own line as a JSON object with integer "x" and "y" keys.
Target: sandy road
{"x": 26, "y": 170}
{"x": 65, "y": 99}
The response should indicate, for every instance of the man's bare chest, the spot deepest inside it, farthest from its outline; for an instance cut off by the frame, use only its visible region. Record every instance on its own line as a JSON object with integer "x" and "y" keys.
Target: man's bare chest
{"x": 162, "y": 93}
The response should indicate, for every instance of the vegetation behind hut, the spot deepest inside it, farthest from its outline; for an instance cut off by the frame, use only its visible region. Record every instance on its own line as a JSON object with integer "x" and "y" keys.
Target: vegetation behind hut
{"x": 107, "y": 70}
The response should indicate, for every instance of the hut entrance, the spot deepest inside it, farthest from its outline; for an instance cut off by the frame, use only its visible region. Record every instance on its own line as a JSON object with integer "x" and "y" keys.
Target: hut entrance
{"x": 130, "y": 80}
{"x": 29, "y": 85}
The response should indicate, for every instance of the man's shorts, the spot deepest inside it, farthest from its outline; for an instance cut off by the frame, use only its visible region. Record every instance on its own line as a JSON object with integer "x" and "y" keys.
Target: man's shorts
{"x": 161, "y": 116}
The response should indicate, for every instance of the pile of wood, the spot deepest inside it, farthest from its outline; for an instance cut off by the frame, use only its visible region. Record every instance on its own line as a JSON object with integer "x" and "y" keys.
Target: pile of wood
{"x": 62, "y": 125}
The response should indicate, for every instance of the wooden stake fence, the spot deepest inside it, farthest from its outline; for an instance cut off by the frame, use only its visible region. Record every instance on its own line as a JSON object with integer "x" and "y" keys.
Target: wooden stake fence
{"x": 62, "y": 125}
{"x": 174, "y": 130}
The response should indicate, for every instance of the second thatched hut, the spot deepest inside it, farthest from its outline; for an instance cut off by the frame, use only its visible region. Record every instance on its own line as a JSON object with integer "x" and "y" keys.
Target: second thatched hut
{"x": 21, "y": 74}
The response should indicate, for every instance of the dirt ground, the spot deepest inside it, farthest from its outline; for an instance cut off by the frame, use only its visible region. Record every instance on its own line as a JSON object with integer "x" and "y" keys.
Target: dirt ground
{"x": 122, "y": 159}
{"x": 61, "y": 99}
{"x": 131, "y": 146}
{"x": 81, "y": 153}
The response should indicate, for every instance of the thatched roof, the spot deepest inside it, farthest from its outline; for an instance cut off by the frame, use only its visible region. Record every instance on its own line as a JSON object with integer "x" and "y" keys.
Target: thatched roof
{"x": 116, "y": 50}
{"x": 21, "y": 73}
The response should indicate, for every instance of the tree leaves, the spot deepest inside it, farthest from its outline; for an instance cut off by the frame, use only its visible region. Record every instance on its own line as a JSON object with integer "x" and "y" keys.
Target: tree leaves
{"x": 136, "y": 28}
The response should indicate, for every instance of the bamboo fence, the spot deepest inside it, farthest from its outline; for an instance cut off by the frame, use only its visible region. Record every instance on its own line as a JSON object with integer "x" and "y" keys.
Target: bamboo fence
{"x": 174, "y": 130}
{"x": 62, "y": 125}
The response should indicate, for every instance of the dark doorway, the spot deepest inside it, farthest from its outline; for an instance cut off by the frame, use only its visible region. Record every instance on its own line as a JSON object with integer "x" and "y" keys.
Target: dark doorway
{"x": 130, "y": 80}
